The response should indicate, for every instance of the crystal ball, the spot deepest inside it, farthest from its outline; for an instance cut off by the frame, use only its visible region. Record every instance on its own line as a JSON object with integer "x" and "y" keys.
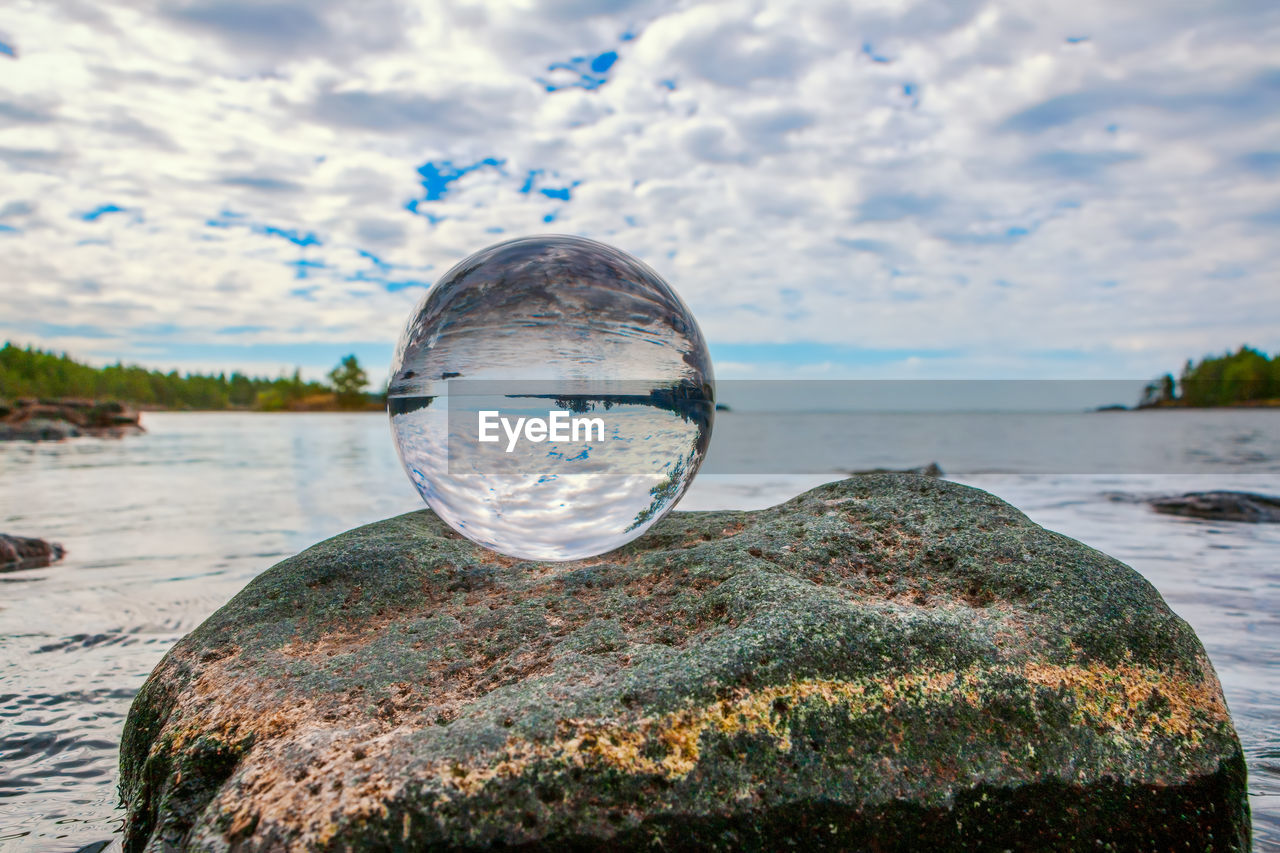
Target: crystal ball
{"x": 551, "y": 398}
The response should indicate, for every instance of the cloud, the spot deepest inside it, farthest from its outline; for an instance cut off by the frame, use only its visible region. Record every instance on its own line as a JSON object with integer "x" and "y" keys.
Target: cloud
{"x": 16, "y": 208}
{"x": 286, "y": 27}
{"x": 263, "y": 183}
{"x": 1258, "y": 94}
{"x": 889, "y": 207}
{"x": 32, "y": 159}
{"x": 380, "y": 232}
{"x": 400, "y": 112}
{"x": 16, "y": 113}
{"x": 830, "y": 186}
{"x": 735, "y": 54}
{"x": 1078, "y": 165}
{"x": 277, "y": 30}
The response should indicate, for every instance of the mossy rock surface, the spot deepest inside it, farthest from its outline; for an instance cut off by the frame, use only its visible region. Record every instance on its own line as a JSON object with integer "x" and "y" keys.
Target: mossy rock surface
{"x": 890, "y": 662}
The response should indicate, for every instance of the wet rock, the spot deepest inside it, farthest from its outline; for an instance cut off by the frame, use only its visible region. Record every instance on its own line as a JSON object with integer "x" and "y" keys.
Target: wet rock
{"x": 888, "y": 662}
{"x": 1222, "y": 506}
{"x": 38, "y": 429}
{"x": 54, "y": 420}
{"x": 20, "y": 552}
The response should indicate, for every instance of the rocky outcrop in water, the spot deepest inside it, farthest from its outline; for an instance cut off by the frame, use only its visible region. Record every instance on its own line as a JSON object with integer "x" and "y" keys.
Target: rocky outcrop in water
{"x": 1222, "y": 506}
{"x": 20, "y": 552}
{"x": 890, "y": 662}
{"x": 54, "y": 420}
{"x": 933, "y": 469}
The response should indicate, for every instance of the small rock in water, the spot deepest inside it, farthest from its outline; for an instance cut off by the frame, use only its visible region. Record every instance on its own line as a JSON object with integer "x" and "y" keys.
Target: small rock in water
{"x": 21, "y": 552}
{"x": 933, "y": 469}
{"x": 1222, "y": 506}
{"x": 891, "y": 662}
{"x": 38, "y": 429}
{"x": 95, "y": 847}
{"x": 54, "y": 420}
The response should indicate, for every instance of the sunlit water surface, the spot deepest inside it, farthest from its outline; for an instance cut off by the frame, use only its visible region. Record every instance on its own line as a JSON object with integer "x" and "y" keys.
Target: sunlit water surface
{"x": 164, "y": 528}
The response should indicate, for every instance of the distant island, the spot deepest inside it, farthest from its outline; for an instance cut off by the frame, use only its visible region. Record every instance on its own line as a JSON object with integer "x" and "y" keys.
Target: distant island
{"x": 1245, "y": 378}
{"x": 34, "y": 374}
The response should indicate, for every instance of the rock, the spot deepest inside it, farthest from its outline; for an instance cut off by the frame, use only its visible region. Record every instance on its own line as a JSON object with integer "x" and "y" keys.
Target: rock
{"x": 930, "y": 470}
{"x": 1222, "y": 506}
{"x": 54, "y": 420}
{"x": 888, "y": 662}
{"x": 38, "y": 429}
{"x": 19, "y": 552}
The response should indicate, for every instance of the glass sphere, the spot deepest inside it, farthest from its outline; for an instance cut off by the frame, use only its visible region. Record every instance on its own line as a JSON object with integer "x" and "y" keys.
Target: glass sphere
{"x": 551, "y": 398}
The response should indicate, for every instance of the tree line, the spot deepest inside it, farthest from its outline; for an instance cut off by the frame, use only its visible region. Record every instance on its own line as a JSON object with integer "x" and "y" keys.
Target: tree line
{"x": 1246, "y": 376}
{"x": 31, "y": 372}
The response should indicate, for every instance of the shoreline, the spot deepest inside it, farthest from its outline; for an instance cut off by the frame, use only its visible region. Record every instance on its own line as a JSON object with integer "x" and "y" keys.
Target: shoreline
{"x": 1244, "y": 404}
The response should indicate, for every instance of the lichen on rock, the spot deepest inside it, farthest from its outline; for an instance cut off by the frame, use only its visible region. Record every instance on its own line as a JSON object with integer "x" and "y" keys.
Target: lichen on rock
{"x": 889, "y": 661}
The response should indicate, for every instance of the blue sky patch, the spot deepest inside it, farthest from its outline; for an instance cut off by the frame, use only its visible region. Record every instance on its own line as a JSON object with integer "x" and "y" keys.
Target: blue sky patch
{"x": 602, "y": 63}
{"x": 436, "y": 177}
{"x": 396, "y": 286}
{"x": 231, "y": 219}
{"x": 799, "y": 353}
{"x": 294, "y": 236}
{"x": 157, "y": 330}
{"x": 382, "y": 275}
{"x": 100, "y": 211}
{"x": 224, "y": 219}
{"x": 8, "y": 50}
{"x": 1261, "y": 162}
{"x": 374, "y": 259}
{"x": 1267, "y": 217}
{"x": 870, "y": 52}
{"x": 59, "y": 330}
{"x": 372, "y": 354}
{"x": 534, "y": 177}
{"x": 302, "y": 267}
{"x": 415, "y": 207}
{"x": 580, "y": 72}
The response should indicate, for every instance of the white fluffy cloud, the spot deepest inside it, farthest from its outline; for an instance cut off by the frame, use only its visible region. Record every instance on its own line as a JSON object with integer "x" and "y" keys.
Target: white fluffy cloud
{"x": 892, "y": 188}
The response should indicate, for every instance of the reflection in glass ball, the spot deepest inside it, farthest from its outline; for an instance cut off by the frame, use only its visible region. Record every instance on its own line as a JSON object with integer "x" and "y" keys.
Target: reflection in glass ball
{"x": 551, "y": 398}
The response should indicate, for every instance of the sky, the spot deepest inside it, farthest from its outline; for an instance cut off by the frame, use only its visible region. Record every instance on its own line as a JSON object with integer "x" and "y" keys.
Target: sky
{"x": 942, "y": 189}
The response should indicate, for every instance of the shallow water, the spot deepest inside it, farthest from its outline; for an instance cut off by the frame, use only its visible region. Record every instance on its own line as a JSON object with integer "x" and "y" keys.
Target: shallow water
{"x": 164, "y": 528}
